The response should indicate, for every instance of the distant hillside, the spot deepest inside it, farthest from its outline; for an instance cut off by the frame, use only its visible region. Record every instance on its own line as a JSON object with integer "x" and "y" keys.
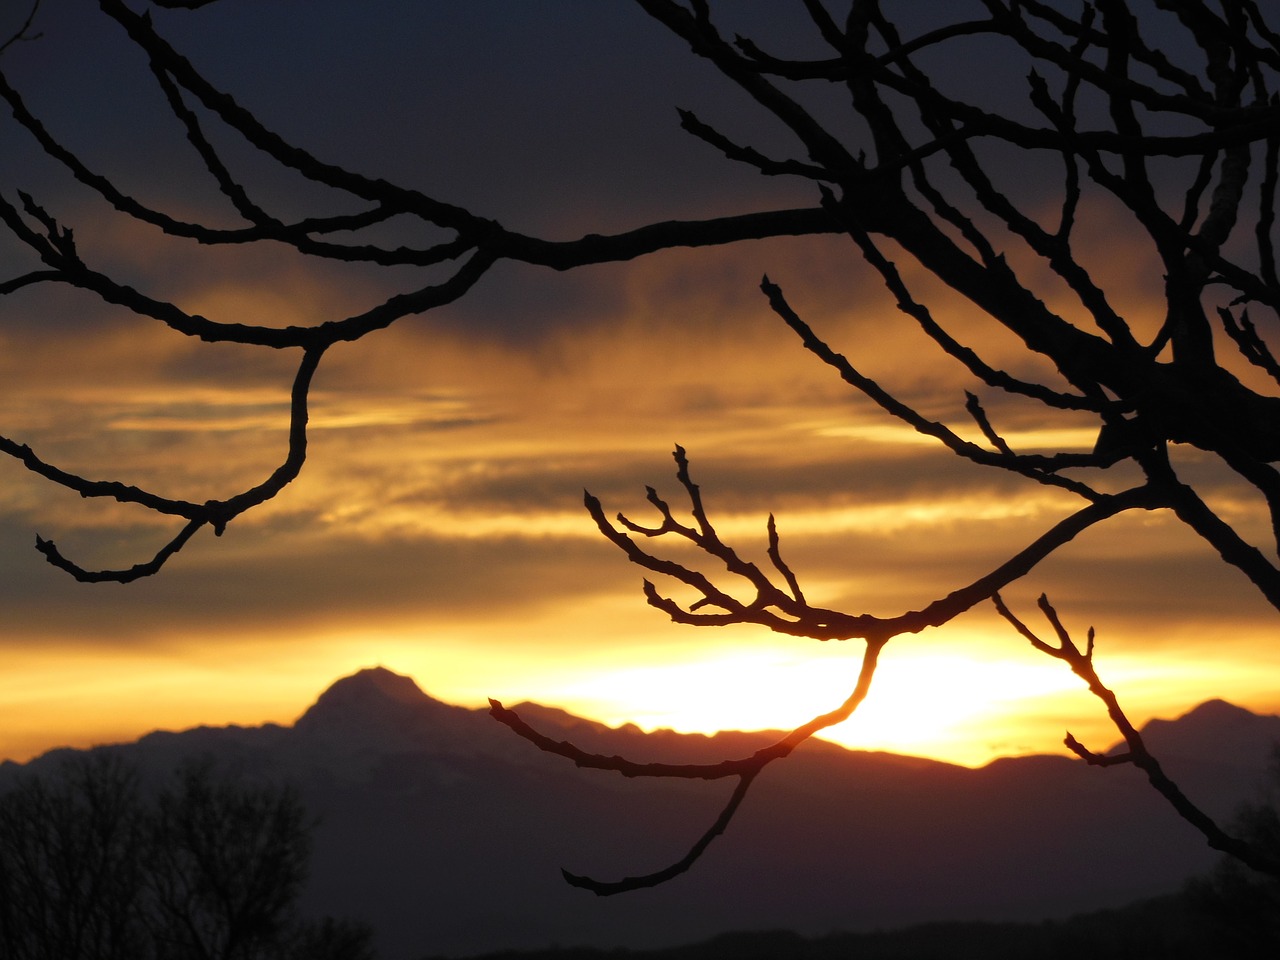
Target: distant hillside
{"x": 447, "y": 832}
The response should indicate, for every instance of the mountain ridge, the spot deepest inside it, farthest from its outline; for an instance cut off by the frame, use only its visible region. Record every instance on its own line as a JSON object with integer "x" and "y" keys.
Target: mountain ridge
{"x": 447, "y": 832}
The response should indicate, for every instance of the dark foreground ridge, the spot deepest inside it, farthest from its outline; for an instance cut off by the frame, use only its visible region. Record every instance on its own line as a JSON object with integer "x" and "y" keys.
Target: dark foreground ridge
{"x": 447, "y": 833}
{"x": 1171, "y": 928}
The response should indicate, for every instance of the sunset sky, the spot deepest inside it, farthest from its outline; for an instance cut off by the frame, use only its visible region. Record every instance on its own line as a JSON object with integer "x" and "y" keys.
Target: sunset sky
{"x": 438, "y": 527}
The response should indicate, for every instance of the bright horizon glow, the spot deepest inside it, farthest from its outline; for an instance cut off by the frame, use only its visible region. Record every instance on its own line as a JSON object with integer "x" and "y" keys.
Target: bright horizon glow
{"x": 928, "y": 706}
{"x": 944, "y": 704}
{"x": 951, "y": 707}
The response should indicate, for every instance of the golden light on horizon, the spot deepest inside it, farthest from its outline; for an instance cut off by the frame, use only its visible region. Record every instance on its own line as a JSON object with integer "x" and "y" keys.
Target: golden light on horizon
{"x": 967, "y": 709}
{"x": 965, "y": 694}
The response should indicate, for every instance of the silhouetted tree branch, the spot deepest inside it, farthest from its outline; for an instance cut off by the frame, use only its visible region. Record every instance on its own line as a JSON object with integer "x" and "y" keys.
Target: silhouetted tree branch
{"x": 23, "y": 32}
{"x": 1081, "y": 664}
{"x": 476, "y": 244}
{"x": 745, "y": 770}
{"x": 1142, "y": 401}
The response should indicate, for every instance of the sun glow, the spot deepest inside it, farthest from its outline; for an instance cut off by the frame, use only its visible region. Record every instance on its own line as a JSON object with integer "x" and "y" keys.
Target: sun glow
{"x": 945, "y": 706}
{"x": 968, "y": 704}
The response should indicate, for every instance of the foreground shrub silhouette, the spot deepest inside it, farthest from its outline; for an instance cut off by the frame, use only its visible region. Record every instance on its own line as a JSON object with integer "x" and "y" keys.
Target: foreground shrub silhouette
{"x": 1245, "y": 904}
{"x": 206, "y": 868}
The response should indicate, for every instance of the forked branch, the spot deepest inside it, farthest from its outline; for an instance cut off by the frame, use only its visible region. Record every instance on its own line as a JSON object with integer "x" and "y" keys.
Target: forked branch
{"x": 23, "y": 32}
{"x": 458, "y": 249}
{"x": 1080, "y": 661}
{"x": 780, "y": 608}
{"x": 783, "y": 611}
{"x": 1042, "y": 468}
{"x": 783, "y": 607}
{"x": 214, "y": 513}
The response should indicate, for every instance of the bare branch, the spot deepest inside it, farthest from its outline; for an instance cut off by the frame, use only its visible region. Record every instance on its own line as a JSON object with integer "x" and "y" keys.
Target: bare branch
{"x": 1250, "y": 343}
{"x": 1081, "y": 664}
{"x": 690, "y": 122}
{"x": 214, "y": 513}
{"x": 1267, "y": 213}
{"x": 1040, "y": 468}
{"x": 24, "y": 33}
{"x": 974, "y": 406}
{"x": 1191, "y": 509}
{"x": 775, "y": 555}
{"x": 1096, "y": 759}
{"x": 745, "y": 769}
{"x": 783, "y": 609}
{"x": 146, "y": 569}
{"x": 606, "y": 888}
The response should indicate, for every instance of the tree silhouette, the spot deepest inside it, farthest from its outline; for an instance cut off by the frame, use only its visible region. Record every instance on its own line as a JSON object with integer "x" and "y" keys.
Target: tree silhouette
{"x": 208, "y": 868}
{"x": 72, "y": 864}
{"x": 228, "y": 862}
{"x": 1243, "y": 905}
{"x": 1166, "y": 112}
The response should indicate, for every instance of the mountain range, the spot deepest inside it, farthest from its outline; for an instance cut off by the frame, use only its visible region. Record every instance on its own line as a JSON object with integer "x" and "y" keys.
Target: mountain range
{"x": 447, "y": 833}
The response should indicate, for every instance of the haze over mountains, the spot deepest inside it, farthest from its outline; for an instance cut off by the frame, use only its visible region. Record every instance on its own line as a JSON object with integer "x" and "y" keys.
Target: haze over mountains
{"x": 447, "y": 832}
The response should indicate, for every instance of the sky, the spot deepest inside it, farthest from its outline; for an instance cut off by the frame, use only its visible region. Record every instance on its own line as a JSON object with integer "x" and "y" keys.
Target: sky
{"x": 438, "y": 527}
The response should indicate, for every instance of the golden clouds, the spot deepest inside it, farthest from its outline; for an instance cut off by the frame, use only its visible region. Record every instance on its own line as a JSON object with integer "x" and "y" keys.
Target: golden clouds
{"x": 438, "y": 525}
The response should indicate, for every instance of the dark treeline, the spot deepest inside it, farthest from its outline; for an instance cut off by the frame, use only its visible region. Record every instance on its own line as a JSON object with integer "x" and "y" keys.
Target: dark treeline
{"x": 207, "y": 866}
{"x": 1178, "y": 927}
